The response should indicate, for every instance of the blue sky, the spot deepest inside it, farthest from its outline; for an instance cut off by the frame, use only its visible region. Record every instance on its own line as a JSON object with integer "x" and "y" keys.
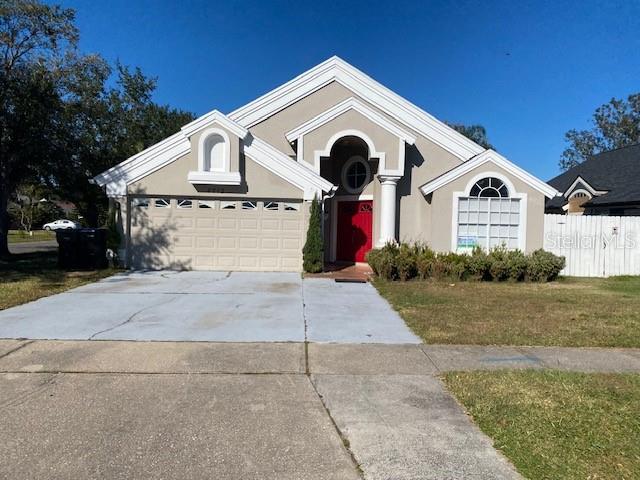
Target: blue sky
{"x": 527, "y": 71}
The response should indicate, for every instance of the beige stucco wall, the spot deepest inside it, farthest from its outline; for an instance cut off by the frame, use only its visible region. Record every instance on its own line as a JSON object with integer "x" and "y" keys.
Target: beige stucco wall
{"x": 442, "y": 207}
{"x": 423, "y": 161}
{"x": 383, "y": 140}
{"x": 172, "y": 180}
{"x": 234, "y": 148}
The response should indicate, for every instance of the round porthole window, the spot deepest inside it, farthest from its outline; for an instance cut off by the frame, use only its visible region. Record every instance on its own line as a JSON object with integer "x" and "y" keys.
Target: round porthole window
{"x": 355, "y": 174}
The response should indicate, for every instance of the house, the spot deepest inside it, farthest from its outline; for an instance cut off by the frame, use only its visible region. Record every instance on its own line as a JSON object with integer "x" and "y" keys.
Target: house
{"x": 233, "y": 191}
{"x": 604, "y": 184}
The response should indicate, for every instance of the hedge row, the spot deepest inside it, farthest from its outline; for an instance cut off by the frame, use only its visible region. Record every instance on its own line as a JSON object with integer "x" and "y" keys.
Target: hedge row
{"x": 404, "y": 262}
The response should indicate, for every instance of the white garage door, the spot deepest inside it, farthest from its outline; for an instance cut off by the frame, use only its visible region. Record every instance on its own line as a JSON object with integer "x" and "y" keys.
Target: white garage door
{"x": 217, "y": 234}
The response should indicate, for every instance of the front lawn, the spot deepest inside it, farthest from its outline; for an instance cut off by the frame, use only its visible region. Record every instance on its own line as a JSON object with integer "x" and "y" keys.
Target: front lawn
{"x": 29, "y": 276}
{"x": 558, "y": 425}
{"x": 568, "y": 312}
{"x": 20, "y": 236}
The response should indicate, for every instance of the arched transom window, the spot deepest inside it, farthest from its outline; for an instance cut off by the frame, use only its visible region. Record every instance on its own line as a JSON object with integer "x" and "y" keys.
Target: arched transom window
{"x": 489, "y": 216}
{"x": 489, "y": 187}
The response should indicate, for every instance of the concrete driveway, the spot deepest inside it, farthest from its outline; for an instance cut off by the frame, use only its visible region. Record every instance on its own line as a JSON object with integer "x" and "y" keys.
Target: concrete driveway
{"x": 211, "y": 306}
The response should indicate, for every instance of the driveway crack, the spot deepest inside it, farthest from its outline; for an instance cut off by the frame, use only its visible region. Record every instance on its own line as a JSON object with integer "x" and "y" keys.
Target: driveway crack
{"x": 343, "y": 438}
{"x": 131, "y": 317}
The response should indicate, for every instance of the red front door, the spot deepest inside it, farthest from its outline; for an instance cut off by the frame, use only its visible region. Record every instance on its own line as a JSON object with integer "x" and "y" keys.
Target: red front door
{"x": 355, "y": 220}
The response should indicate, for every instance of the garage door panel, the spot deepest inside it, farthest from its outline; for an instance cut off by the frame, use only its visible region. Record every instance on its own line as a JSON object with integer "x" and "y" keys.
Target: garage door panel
{"x": 227, "y": 223}
{"x": 203, "y": 223}
{"x": 217, "y": 239}
{"x": 248, "y": 243}
{"x": 270, "y": 224}
{"x": 227, "y": 242}
{"x": 270, "y": 243}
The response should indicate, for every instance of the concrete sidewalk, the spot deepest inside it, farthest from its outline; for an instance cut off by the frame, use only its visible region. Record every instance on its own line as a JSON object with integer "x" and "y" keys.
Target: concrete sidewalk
{"x": 83, "y": 409}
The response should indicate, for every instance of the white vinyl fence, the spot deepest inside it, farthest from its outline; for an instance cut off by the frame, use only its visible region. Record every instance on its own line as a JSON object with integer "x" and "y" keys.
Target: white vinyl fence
{"x": 594, "y": 245}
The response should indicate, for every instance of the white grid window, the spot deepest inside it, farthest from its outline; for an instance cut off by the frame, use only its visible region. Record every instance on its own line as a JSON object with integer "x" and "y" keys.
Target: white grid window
{"x": 185, "y": 203}
{"x": 162, "y": 203}
{"x": 271, "y": 206}
{"x": 227, "y": 205}
{"x": 206, "y": 204}
{"x": 140, "y": 202}
{"x": 488, "y": 218}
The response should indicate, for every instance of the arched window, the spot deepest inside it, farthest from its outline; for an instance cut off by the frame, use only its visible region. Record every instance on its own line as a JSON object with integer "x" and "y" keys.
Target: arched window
{"x": 489, "y": 187}
{"x": 489, "y": 216}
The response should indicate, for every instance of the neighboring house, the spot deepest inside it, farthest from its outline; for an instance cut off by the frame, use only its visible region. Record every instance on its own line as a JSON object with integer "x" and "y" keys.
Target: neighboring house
{"x": 604, "y": 184}
{"x": 232, "y": 191}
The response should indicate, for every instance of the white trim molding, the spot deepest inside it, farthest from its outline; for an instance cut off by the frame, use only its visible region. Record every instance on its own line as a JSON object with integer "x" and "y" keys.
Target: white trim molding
{"x": 280, "y": 164}
{"x": 337, "y": 70}
{"x": 214, "y": 178}
{"x": 214, "y": 117}
{"x": 342, "y": 107}
{"x": 345, "y": 170}
{"x": 498, "y": 160}
{"x": 373, "y": 153}
{"x": 116, "y": 179}
{"x": 586, "y": 186}
{"x": 226, "y": 160}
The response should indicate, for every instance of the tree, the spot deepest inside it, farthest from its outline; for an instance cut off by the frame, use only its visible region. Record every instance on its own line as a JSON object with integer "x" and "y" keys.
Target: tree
{"x": 476, "y": 133}
{"x": 313, "y": 251}
{"x": 25, "y": 205}
{"x": 33, "y": 41}
{"x": 60, "y": 122}
{"x": 615, "y": 124}
{"x": 106, "y": 126}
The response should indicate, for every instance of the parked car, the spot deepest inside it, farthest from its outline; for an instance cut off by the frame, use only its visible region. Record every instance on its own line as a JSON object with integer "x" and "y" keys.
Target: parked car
{"x": 61, "y": 225}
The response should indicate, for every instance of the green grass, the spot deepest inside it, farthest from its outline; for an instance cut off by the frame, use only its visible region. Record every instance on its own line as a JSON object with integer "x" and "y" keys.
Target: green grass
{"x": 29, "y": 276}
{"x": 568, "y": 312}
{"x": 19, "y": 236}
{"x": 558, "y": 425}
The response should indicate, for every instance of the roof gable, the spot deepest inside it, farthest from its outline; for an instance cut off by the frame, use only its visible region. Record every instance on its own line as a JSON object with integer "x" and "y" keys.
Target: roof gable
{"x": 169, "y": 150}
{"x": 336, "y": 69}
{"x": 342, "y": 107}
{"x": 496, "y": 159}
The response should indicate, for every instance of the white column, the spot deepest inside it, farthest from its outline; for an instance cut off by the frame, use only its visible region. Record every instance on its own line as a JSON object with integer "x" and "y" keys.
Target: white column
{"x": 387, "y": 209}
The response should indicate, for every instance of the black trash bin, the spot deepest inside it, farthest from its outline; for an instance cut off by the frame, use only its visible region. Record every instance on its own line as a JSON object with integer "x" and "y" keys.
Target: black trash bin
{"x": 68, "y": 251}
{"x": 84, "y": 249}
{"x": 93, "y": 248}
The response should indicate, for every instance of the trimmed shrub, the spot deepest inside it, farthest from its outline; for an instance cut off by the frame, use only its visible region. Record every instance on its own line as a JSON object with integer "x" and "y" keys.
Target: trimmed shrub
{"x": 406, "y": 261}
{"x": 425, "y": 262}
{"x": 373, "y": 259}
{"x": 313, "y": 250}
{"x": 478, "y": 265}
{"x": 451, "y": 265}
{"x": 517, "y": 264}
{"x": 544, "y": 266}
{"x": 498, "y": 264}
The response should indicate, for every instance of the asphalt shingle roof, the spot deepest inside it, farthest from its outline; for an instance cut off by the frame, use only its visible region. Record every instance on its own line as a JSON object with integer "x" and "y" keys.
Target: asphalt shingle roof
{"x": 617, "y": 171}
